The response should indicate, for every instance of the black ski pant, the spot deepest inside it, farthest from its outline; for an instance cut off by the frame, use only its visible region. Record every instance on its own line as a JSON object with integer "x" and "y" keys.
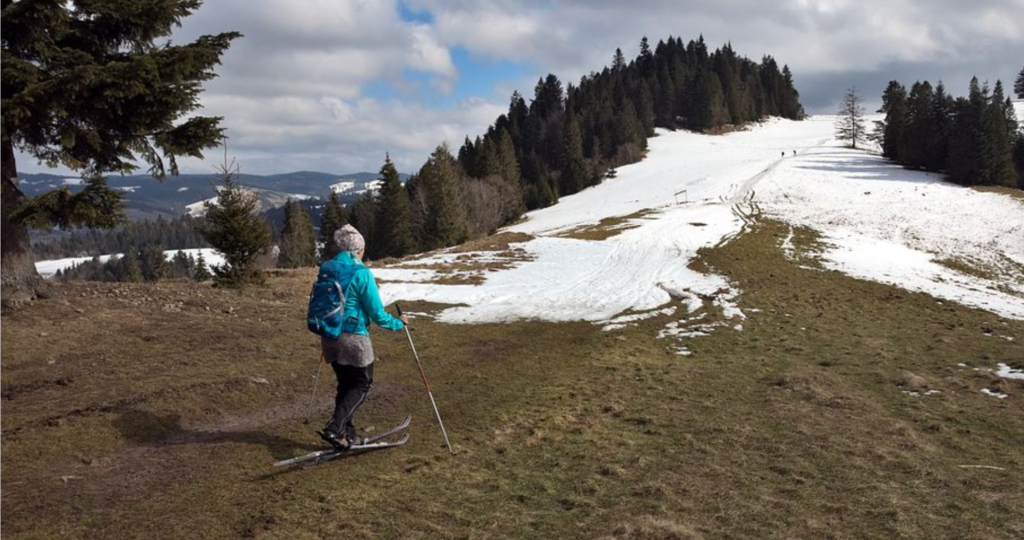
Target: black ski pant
{"x": 354, "y": 384}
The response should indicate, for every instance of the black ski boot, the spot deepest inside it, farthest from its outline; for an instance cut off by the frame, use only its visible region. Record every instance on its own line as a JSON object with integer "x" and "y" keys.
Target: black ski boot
{"x": 337, "y": 440}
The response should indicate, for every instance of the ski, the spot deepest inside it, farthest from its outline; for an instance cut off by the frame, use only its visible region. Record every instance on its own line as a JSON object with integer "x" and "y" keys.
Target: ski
{"x": 400, "y": 427}
{"x": 369, "y": 443}
{"x": 355, "y": 449}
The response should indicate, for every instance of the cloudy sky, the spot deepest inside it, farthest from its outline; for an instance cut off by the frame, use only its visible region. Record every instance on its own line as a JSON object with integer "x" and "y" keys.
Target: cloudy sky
{"x": 331, "y": 85}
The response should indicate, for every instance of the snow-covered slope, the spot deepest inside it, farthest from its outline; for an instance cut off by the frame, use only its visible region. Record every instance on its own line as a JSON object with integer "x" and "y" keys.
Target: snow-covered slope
{"x": 561, "y": 278}
{"x": 888, "y": 224}
{"x": 707, "y": 167}
{"x": 883, "y": 223}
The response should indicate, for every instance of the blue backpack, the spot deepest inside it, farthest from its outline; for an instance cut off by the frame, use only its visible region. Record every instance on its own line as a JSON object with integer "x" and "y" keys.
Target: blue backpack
{"x": 326, "y": 306}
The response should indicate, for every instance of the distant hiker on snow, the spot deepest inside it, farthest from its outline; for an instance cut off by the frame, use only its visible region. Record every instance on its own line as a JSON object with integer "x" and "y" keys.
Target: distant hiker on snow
{"x": 344, "y": 330}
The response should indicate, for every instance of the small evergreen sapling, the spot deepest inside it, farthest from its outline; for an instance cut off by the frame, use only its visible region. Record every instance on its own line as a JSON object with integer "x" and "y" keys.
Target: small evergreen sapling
{"x": 235, "y": 228}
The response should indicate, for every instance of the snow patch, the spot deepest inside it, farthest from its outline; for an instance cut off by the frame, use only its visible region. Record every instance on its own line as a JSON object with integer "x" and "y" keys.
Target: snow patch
{"x": 888, "y": 224}
{"x": 413, "y": 275}
{"x": 623, "y": 321}
{"x": 198, "y": 209}
{"x": 995, "y": 394}
{"x": 640, "y": 269}
{"x": 351, "y": 187}
{"x": 1008, "y": 372}
{"x": 48, "y": 268}
{"x": 211, "y": 256}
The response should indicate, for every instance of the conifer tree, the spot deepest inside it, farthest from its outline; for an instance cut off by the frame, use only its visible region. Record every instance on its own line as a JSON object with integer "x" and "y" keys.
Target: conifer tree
{"x": 790, "y": 100}
{"x": 154, "y": 265}
{"x": 333, "y": 218}
{"x": 364, "y": 218}
{"x": 468, "y": 157}
{"x": 234, "y": 227}
{"x": 1018, "y": 85}
{"x": 507, "y": 167}
{"x": 130, "y": 269}
{"x": 394, "y": 214}
{"x": 538, "y": 192}
{"x": 850, "y": 124}
{"x": 918, "y": 132}
{"x": 628, "y": 130}
{"x": 574, "y": 170}
{"x": 200, "y": 272}
{"x": 645, "y": 62}
{"x": 1018, "y": 158}
{"x": 96, "y": 87}
{"x": 1000, "y": 128}
{"x": 618, "y": 61}
{"x": 446, "y": 217}
{"x": 889, "y": 132}
{"x": 645, "y": 111}
{"x": 298, "y": 245}
{"x": 966, "y": 163}
{"x": 938, "y": 142}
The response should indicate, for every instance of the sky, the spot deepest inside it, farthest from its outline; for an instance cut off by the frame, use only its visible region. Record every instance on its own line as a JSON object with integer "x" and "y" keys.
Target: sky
{"x": 335, "y": 85}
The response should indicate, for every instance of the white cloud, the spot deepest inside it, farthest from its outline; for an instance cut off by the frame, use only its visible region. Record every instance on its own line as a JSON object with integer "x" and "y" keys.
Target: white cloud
{"x": 336, "y": 136}
{"x": 295, "y": 91}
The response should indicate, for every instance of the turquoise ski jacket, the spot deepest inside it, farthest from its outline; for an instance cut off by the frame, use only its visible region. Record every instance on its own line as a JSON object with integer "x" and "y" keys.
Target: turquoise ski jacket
{"x": 362, "y": 300}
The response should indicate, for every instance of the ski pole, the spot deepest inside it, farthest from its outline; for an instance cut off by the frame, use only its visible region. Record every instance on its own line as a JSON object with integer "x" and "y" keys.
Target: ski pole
{"x": 316, "y": 381}
{"x": 426, "y": 383}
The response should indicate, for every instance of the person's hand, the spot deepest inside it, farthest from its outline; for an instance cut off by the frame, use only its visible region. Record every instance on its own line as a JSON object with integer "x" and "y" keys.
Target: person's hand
{"x": 404, "y": 318}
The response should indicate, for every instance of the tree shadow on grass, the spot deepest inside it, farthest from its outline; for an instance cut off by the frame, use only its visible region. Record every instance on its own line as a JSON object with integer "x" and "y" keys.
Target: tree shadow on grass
{"x": 147, "y": 429}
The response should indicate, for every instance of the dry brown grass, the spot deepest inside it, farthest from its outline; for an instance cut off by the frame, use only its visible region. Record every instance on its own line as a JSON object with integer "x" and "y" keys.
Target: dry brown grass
{"x": 1012, "y": 192}
{"x": 141, "y": 416}
{"x": 607, "y": 227}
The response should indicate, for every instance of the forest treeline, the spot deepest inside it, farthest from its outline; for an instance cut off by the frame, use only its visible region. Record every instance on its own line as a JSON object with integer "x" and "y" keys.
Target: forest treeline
{"x": 565, "y": 139}
{"x": 136, "y": 265}
{"x": 175, "y": 233}
{"x": 975, "y": 140}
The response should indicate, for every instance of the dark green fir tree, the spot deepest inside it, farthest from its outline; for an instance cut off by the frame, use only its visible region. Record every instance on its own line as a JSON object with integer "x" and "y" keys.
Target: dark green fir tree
{"x": 201, "y": 272}
{"x": 889, "y": 131}
{"x": 441, "y": 177}
{"x": 235, "y": 228}
{"x": 96, "y": 87}
{"x": 394, "y": 214}
{"x": 298, "y": 243}
{"x": 333, "y": 218}
{"x": 154, "y": 265}
{"x": 574, "y": 170}
{"x": 1018, "y": 85}
{"x": 364, "y": 219}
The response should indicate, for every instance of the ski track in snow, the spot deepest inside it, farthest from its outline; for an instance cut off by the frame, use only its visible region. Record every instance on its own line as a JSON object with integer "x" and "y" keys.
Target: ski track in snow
{"x": 643, "y": 268}
{"x": 879, "y": 221}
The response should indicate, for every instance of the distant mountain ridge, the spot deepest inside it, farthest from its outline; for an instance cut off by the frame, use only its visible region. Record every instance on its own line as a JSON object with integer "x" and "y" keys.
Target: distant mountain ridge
{"x": 147, "y": 197}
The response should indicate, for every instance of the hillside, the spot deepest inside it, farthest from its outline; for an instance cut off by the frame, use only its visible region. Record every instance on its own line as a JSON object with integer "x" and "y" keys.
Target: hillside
{"x": 815, "y": 345}
{"x": 146, "y": 197}
{"x": 877, "y": 221}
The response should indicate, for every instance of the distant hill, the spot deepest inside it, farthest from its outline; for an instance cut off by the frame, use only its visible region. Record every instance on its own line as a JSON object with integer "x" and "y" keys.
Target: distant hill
{"x": 147, "y": 197}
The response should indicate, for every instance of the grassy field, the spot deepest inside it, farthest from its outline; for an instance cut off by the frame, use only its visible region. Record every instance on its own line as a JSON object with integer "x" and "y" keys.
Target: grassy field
{"x": 154, "y": 411}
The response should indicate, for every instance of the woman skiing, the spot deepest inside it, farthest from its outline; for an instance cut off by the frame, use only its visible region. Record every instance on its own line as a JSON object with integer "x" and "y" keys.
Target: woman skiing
{"x": 351, "y": 354}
